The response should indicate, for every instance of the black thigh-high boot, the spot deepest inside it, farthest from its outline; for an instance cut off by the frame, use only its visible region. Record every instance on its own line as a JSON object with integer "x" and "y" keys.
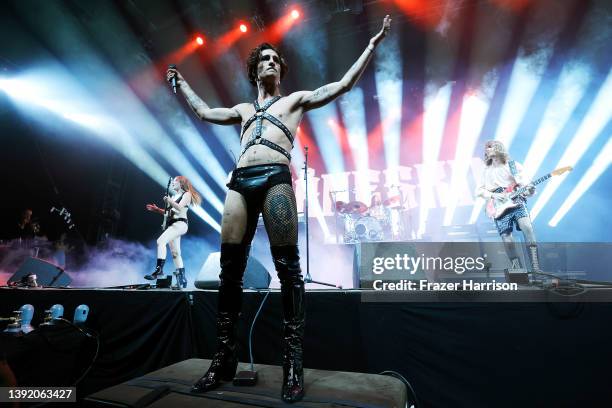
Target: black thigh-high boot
{"x": 159, "y": 270}
{"x": 287, "y": 263}
{"x": 223, "y": 366}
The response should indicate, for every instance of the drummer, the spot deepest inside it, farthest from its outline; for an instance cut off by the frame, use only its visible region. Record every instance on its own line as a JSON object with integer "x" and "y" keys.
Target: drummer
{"x": 377, "y": 209}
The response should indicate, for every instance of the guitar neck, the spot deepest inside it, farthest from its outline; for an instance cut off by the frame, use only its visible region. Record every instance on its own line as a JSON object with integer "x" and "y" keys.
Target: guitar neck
{"x": 535, "y": 183}
{"x": 167, "y": 207}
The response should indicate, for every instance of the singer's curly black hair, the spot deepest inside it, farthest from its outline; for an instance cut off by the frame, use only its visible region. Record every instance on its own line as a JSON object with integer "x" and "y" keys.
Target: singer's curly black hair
{"x": 254, "y": 58}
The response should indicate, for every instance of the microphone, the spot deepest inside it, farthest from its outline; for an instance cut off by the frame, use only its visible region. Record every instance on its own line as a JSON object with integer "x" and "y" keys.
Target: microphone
{"x": 173, "y": 80}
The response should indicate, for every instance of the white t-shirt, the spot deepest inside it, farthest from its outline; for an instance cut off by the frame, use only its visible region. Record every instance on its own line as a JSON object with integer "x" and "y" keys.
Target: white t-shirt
{"x": 495, "y": 176}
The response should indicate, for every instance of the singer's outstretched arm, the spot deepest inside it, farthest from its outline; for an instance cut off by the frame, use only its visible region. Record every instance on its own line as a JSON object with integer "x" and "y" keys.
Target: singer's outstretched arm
{"x": 327, "y": 93}
{"x": 220, "y": 116}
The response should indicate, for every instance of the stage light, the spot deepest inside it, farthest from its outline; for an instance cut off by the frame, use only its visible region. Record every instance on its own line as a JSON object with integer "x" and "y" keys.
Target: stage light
{"x": 243, "y": 28}
{"x": 80, "y": 314}
{"x": 200, "y": 40}
{"x": 295, "y": 14}
{"x": 27, "y": 312}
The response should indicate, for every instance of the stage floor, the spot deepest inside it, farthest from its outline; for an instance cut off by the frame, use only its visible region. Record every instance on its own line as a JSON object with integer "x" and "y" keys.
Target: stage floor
{"x": 533, "y": 348}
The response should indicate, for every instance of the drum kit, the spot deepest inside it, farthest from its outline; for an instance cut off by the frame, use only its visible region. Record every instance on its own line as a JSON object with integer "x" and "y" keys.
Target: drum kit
{"x": 383, "y": 222}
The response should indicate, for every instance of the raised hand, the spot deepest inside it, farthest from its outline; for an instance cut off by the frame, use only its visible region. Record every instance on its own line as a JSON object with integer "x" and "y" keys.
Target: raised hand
{"x": 383, "y": 31}
{"x": 173, "y": 73}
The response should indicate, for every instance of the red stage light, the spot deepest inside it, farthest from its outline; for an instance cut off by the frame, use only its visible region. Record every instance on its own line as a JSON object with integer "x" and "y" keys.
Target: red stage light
{"x": 200, "y": 40}
{"x": 243, "y": 28}
{"x": 295, "y": 14}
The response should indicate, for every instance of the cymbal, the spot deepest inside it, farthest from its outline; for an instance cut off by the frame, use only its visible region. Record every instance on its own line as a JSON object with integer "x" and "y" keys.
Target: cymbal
{"x": 394, "y": 201}
{"x": 341, "y": 207}
{"x": 356, "y": 207}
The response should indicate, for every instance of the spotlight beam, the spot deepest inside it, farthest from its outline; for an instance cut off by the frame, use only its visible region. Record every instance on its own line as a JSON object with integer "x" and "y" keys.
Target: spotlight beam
{"x": 436, "y": 109}
{"x": 571, "y": 87}
{"x": 522, "y": 87}
{"x": 600, "y": 165}
{"x": 388, "y": 76}
{"x": 329, "y": 146}
{"x": 473, "y": 114}
{"x": 353, "y": 116}
{"x": 592, "y": 125}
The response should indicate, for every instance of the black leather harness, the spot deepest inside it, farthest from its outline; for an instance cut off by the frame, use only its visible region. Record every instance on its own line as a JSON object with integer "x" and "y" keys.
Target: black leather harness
{"x": 258, "y": 117}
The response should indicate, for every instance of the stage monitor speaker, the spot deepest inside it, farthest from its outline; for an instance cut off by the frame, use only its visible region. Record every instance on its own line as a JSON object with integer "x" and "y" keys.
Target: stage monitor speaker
{"x": 255, "y": 277}
{"x": 47, "y": 274}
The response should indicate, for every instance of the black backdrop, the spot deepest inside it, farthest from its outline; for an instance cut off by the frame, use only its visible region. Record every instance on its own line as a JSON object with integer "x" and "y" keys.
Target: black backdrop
{"x": 454, "y": 354}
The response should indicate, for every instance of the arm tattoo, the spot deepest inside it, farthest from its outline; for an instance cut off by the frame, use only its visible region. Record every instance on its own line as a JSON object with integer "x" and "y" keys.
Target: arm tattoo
{"x": 194, "y": 101}
{"x": 322, "y": 92}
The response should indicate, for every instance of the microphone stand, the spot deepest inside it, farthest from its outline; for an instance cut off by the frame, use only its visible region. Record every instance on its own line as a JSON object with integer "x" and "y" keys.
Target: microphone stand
{"x": 308, "y": 278}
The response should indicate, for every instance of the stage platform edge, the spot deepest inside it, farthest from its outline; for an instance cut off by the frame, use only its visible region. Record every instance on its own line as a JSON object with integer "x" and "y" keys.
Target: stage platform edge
{"x": 170, "y": 387}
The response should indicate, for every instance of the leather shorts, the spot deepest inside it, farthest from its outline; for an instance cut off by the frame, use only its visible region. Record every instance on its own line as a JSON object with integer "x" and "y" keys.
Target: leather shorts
{"x": 254, "y": 181}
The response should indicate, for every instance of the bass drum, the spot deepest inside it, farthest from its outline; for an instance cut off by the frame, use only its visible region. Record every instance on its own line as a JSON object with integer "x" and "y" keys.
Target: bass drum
{"x": 368, "y": 229}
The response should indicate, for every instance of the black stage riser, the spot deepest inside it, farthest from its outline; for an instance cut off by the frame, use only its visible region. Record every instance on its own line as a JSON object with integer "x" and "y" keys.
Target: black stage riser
{"x": 454, "y": 354}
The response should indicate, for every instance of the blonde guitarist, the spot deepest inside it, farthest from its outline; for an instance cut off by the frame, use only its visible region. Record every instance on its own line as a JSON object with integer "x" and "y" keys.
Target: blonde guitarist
{"x": 500, "y": 173}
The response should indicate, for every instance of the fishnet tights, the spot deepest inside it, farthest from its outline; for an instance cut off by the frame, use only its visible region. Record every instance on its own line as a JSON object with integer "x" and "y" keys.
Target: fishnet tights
{"x": 280, "y": 215}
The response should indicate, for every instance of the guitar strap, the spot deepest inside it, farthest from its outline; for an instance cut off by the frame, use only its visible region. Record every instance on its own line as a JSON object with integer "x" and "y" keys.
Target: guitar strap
{"x": 178, "y": 200}
{"x": 513, "y": 171}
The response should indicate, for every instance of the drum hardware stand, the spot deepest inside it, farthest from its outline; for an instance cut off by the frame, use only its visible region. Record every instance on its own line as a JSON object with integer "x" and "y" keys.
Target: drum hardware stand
{"x": 404, "y": 229}
{"x": 334, "y": 201}
{"x": 308, "y": 279}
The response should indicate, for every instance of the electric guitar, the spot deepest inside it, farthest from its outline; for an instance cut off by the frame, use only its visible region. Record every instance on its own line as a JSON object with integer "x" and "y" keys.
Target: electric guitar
{"x": 167, "y": 207}
{"x": 496, "y": 208}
